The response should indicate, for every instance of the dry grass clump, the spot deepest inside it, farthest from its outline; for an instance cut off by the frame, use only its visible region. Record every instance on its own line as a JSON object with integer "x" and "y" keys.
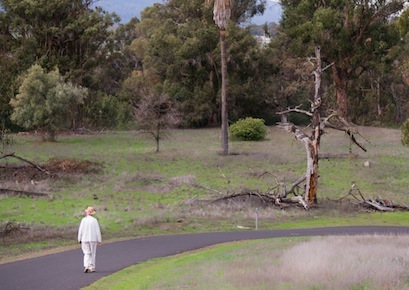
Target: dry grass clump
{"x": 25, "y": 234}
{"x": 333, "y": 262}
{"x": 372, "y": 262}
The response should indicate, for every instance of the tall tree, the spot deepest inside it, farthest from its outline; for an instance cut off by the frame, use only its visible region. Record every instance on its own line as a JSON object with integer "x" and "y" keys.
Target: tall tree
{"x": 222, "y": 12}
{"x": 351, "y": 33}
{"x": 72, "y": 35}
{"x": 179, "y": 51}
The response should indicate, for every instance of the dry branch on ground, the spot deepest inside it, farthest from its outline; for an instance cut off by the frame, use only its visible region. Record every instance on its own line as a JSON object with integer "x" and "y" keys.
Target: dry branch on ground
{"x": 11, "y": 228}
{"x": 379, "y": 204}
{"x": 264, "y": 199}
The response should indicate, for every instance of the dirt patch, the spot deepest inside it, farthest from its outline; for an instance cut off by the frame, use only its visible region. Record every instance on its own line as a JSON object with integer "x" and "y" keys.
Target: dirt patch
{"x": 54, "y": 168}
{"x": 72, "y": 166}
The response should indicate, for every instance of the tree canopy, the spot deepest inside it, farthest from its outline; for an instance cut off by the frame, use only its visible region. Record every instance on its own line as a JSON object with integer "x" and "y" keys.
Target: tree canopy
{"x": 353, "y": 35}
{"x": 174, "y": 49}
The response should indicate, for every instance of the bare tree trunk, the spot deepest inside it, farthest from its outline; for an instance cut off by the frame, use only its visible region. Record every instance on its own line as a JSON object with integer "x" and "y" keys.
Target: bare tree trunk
{"x": 341, "y": 83}
{"x": 312, "y": 147}
{"x": 157, "y": 137}
{"x": 224, "y": 141}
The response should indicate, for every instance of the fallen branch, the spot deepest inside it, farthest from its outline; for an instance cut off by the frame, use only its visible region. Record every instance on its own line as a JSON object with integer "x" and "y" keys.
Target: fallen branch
{"x": 378, "y": 204}
{"x": 6, "y": 191}
{"x": 339, "y": 155}
{"x": 263, "y": 197}
{"x": 11, "y": 228}
{"x": 25, "y": 160}
{"x": 296, "y": 199}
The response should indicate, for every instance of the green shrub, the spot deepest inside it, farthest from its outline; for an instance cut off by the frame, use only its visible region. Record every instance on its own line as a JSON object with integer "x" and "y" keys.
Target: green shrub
{"x": 405, "y": 133}
{"x": 249, "y": 129}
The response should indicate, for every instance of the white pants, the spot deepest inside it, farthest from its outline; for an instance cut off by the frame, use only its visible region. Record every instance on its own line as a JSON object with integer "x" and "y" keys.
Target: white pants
{"x": 90, "y": 251}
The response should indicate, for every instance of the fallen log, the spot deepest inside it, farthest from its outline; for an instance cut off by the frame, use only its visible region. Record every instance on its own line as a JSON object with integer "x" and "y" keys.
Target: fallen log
{"x": 6, "y": 191}
{"x": 297, "y": 199}
{"x": 378, "y": 206}
{"x": 25, "y": 160}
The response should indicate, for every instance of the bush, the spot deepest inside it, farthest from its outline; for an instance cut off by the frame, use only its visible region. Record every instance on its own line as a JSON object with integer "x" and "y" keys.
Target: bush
{"x": 405, "y": 133}
{"x": 249, "y": 129}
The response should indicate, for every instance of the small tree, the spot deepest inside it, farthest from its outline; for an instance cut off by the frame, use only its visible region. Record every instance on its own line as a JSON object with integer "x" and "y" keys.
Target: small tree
{"x": 45, "y": 102}
{"x": 155, "y": 113}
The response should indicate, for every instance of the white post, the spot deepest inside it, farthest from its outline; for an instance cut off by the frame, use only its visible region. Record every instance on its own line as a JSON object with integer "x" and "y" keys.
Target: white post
{"x": 256, "y": 218}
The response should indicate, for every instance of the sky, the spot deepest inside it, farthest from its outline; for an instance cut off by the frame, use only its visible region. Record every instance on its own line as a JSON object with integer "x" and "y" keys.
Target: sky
{"x": 126, "y": 9}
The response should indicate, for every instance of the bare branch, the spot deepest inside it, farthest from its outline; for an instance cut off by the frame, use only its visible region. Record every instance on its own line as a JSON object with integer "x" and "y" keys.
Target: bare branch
{"x": 296, "y": 109}
{"x": 25, "y": 160}
{"x": 342, "y": 125}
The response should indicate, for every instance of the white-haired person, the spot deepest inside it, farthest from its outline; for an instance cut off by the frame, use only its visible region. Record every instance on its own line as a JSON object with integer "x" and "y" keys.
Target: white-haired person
{"x": 89, "y": 236}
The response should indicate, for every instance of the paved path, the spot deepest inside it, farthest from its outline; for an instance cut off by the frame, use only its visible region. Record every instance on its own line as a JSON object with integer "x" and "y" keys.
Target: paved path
{"x": 64, "y": 270}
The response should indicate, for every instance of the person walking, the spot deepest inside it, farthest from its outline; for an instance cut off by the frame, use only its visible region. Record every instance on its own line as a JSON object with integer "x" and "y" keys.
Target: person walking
{"x": 89, "y": 236}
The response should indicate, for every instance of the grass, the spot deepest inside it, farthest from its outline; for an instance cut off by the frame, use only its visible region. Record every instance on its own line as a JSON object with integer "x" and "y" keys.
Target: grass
{"x": 140, "y": 192}
{"x": 362, "y": 262}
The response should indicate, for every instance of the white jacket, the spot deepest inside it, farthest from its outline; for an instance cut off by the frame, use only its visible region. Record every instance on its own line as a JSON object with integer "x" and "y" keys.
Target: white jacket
{"x": 89, "y": 230}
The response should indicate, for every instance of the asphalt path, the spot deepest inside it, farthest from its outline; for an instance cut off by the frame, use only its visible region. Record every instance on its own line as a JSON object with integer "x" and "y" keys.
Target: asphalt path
{"x": 65, "y": 270}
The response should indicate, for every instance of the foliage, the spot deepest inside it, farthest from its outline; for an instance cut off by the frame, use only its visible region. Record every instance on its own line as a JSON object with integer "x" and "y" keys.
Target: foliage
{"x": 46, "y": 102}
{"x": 249, "y": 129}
{"x": 180, "y": 51}
{"x": 175, "y": 49}
{"x": 351, "y": 34}
{"x": 405, "y": 133}
{"x": 106, "y": 111}
{"x": 67, "y": 34}
{"x": 64, "y": 34}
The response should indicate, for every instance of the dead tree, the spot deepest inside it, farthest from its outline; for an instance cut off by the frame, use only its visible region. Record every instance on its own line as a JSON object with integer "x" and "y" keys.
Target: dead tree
{"x": 312, "y": 142}
{"x": 155, "y": 113}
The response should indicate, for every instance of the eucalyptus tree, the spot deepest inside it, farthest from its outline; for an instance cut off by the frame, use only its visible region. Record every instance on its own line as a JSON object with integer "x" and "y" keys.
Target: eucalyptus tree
{"x": 68, "y": 34}
{"x": 46, "y": 102}
{"x": 351, "y": 34}
{"x": 78, "y": 38}
{"x": 179, "y": 49}
{"x": 16, "y": 55}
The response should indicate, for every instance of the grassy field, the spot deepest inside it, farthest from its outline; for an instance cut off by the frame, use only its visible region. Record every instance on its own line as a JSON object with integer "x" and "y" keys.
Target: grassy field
{"x": 139, "y": 192}
{"x": 361, "y": 262}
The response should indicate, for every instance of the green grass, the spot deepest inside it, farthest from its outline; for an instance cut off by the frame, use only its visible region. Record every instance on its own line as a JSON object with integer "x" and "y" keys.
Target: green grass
{"x": 333, "y": 262}
{"x": 204, "y": 269}
{"x": 141, "y": 192}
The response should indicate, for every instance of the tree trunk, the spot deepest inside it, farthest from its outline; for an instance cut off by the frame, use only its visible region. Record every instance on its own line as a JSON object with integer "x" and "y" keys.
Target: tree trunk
{"x": 312, "y": 147}
{"x": 224, "y": 135}
{"x": 341, "y": 83}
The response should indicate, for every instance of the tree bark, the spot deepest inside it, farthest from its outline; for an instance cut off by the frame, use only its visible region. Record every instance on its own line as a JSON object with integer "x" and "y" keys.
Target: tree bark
{"x": 341, "y": 84}
{"x": 312, "y": 147}
{"x": 224, "y": 117}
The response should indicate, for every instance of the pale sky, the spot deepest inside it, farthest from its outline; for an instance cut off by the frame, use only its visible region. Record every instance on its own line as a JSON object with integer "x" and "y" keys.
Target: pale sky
{"x": 126, "y": 9}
